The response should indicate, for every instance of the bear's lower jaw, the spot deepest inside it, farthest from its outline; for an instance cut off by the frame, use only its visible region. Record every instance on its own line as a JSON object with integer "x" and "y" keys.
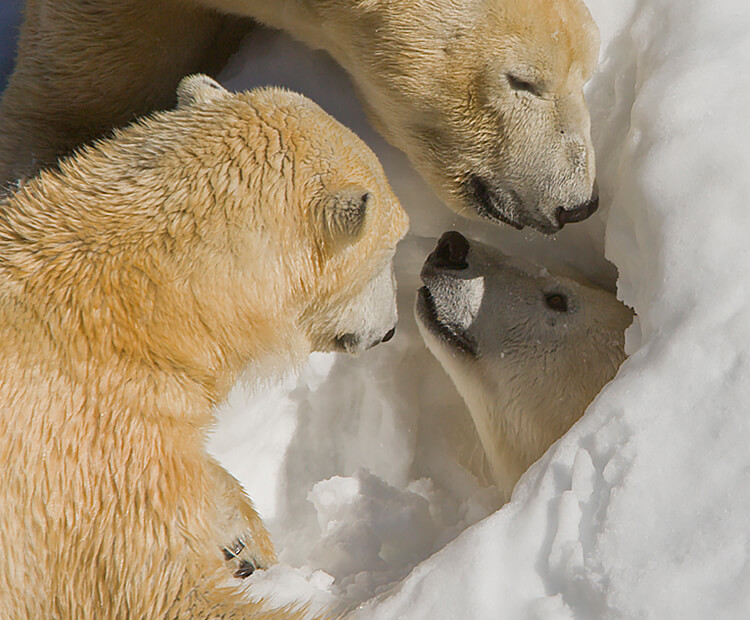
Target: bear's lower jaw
{"x": 493, "y": 205}
{"x": 428, "y": 315}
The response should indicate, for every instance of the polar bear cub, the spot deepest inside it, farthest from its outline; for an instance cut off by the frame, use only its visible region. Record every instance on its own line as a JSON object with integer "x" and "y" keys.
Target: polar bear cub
{"x": 528, "y": 349}
{"x": 136, "y": 283}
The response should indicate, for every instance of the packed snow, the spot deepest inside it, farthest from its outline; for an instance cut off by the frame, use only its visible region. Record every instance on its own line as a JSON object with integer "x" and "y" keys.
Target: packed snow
{"x": 368, "y": 471}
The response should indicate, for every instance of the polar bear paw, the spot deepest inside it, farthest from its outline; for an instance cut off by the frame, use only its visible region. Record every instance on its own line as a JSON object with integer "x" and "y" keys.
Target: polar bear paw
{"x": 249, "y": 547}
{"x": 243, "y": 562}
{"x": 241, "y": 535}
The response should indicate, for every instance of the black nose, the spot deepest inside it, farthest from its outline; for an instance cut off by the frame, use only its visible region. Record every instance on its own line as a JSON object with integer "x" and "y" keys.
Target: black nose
{"x": 451, "y": 251}
{"x": 577, "y": 213}
{"x": 389, "y": 334}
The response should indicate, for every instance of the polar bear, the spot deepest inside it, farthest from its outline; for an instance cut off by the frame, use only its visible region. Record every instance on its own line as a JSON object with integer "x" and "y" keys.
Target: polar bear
{"x": 235, "y": 231}
{"x": 484, "y": 96}
{"x": 527, "y": 348}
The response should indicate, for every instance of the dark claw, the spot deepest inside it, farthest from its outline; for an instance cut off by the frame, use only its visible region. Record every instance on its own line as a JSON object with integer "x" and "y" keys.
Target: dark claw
{"x": 245, "y": 570}
{"x": 236, "y": 549}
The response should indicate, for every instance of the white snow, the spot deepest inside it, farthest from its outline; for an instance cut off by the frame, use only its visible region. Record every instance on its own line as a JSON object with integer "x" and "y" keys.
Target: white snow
{"x": 366, "y": 469}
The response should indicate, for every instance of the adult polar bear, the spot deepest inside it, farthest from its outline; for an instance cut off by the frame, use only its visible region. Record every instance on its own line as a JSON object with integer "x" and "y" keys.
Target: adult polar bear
{"x": 527, "y": 348}
{"x": 484, "y": 96}
{"x": 236, "y": 230}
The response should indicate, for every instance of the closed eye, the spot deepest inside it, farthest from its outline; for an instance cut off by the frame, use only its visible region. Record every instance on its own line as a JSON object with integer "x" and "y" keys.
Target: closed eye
{"x": 517, "y": 83}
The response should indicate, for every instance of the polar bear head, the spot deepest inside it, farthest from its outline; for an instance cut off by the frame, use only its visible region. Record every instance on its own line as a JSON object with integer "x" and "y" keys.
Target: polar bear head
{"x": 237, "y": 229}
{"x": 486, "y": 98}
{"x": 527, "y": 348}
{"x": 320, "y": 222}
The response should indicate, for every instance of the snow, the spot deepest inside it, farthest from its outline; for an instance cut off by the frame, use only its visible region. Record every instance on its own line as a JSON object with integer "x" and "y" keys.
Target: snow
{"x": 363, "y": 468}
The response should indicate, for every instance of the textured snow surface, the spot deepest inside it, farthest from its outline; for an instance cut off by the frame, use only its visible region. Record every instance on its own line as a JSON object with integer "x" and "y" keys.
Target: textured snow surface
{"x": 366, "y": 469}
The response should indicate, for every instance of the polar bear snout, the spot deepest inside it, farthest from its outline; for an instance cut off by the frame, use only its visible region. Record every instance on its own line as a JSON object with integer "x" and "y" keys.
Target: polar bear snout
{"x": 369, "y": 318}
{"x": 495, "y": 203}
{"x": 448, "y": 303}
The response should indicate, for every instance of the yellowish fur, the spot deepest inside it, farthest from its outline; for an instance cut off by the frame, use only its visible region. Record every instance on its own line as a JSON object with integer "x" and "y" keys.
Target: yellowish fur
{"x": 135, "y": 284}
{"x": 436, "y": 78}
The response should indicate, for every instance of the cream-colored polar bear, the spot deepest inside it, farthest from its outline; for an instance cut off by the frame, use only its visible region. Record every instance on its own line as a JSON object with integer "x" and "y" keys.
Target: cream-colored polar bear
{"x": 135, "y": 284}
{"x": 528, "y": 349}
{"x": 484, "y": 96}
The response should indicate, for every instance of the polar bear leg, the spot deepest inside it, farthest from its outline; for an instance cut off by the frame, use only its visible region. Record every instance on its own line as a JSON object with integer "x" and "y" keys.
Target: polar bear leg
{"x": 244, "y": 540}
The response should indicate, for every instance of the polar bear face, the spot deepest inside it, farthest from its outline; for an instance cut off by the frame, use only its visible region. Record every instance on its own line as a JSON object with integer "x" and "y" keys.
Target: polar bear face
{"x": 486, "y": 98}
{"x": 527, "y": 348}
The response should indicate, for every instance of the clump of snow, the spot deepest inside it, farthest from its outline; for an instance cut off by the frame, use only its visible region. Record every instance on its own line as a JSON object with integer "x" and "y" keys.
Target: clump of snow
{"x": 367, "y": 469}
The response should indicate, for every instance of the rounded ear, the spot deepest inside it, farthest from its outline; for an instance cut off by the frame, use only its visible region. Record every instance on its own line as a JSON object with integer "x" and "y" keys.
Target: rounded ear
{"x": 198, "y": 88}
{"x": 344, "y": 213}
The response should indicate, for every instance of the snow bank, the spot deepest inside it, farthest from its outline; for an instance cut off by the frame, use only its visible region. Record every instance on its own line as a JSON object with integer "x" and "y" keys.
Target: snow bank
{"x": 366, "y": 469}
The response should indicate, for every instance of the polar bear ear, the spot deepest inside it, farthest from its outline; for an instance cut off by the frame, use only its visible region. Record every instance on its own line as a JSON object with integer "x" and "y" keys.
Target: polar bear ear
{"x": 198, "y": 88}
{"x": 345, "y": 212}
